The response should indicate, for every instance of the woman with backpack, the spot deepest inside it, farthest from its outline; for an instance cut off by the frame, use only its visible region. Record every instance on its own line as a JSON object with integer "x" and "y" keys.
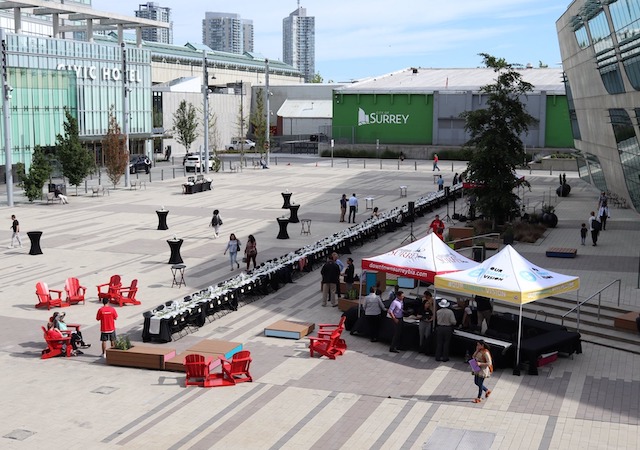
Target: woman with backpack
{"x": 484, "y": 368}
{"x": 216, "y": 221}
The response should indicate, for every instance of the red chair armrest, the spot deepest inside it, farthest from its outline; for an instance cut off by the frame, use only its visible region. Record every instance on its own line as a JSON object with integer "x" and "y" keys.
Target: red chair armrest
{"x": 83, "y": 289}
{"x": 322, "y": 325}
{"x": 317, "y": 338}
{"x": 57, "y": 292}
{"x": 74, "y": 325}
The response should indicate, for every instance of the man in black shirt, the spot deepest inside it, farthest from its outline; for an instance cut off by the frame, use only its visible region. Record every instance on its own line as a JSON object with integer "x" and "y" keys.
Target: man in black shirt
{"x": 330, "y": 279}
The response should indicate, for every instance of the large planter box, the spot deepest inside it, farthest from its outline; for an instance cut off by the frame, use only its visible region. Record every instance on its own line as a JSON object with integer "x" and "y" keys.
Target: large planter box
{"x": 461, "y": 233}
{"x": 141, "y": 356}
{"x": 289, "y": 329}
{"x": 345, "y": 304}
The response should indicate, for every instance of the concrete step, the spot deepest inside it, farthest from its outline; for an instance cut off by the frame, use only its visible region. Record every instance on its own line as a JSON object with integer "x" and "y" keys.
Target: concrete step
{"x": 597, "y": 331}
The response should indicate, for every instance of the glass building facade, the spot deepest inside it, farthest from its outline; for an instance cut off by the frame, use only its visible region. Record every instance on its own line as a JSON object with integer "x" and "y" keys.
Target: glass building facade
{"x": 48, "y": 75}
{"x": 600, "y": 46}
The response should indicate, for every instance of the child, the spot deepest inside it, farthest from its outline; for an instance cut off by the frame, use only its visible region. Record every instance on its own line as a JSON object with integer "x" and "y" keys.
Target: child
{"x": 583, "y": 233}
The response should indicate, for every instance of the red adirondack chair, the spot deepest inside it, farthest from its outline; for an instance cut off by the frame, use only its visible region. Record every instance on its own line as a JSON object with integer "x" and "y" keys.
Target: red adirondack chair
{"x": 232, "y": 372}
{"x": 112, "y": 288}
{"x": 55, "y": 344}
{"x": 75, "y": 292}
{"x": 325, "y": 329}
{"x": 198, "y": 370}
{"x": 330, "y": 347}
{"x": 127, "y": 295}
{"x": 44, "y": 296}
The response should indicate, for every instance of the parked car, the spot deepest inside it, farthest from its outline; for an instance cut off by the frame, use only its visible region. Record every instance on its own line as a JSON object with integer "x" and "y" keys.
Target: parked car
{"x": 236, "y": 144}
{"x": 138, "y": 163}
{"x": 193, "y": 163}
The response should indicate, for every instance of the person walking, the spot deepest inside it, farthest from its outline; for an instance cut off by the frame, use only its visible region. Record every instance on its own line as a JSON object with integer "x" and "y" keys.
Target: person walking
{"x": 603, "y": 214}
{"x": 251, "y": 251}
{"x": 107, "y": 316}
{"x": 373, "y": 308}
{"x": 15, "y": 227}
{"x": 353, "y": 207}
{"x": 594, "y": 228}
{"x": 583, "y": 233}
{"x": 396, "y": 314}
{"x": 233, "y": 247}
{"x": 435, "y": 162}
{"x": 216, "y": 221}
{"x": 482, "y": 357}
{"x": 343, "y": 207}
{"x": 445, "y": 320}
{"x": 330, "y": 278}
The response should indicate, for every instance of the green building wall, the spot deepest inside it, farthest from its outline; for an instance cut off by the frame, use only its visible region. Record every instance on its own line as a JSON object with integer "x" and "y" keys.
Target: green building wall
{"x": 391, "y": 118}
{"x": 558, "y": 127}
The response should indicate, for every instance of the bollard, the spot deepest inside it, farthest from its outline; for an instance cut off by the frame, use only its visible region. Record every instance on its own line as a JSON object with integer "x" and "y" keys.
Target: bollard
{"x": 451, "y": 166}
{"x": 149, "y": 176}
{"x": 415, "y": 163}
{"x": 85, "y": 186}
{"x": 365, "y": 163}
{"x": 347, "y": 163}
{"x": 276, "y": 160}
{"x": 398, "y": 164}
{"x": 380, "y": 164}
{"x": 550, "y": 170}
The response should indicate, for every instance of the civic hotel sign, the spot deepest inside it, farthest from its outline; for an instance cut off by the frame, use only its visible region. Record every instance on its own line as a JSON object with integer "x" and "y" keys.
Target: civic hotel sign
{"x": 104, "y": 73}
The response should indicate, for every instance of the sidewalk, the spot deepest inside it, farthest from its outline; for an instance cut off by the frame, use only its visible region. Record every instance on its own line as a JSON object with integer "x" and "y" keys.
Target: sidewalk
{"x": 368, "y": 398}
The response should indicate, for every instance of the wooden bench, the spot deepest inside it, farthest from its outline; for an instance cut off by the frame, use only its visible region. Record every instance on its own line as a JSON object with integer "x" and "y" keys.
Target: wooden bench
{"x": 51, "y": 198}
{"x": 627, "y": 321}
{"x": 562, "y": 252}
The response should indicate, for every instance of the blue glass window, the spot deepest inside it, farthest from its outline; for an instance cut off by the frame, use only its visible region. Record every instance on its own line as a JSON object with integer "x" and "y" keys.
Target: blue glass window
{"x": 629, "y": 151}
{"x": 625, "y": 15}
{"x": 582, "y": 38}
{"x": 600, "y": 33}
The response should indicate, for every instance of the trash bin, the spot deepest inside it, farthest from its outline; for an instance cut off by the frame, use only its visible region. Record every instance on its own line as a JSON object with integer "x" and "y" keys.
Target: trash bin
{"x": 478, "y": 252}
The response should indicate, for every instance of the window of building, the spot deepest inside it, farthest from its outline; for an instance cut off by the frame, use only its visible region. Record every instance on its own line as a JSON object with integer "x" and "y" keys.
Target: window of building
{"x": 632, "y": 68}
{"x": 629, "y": 151}
{"x": 600, "y": 33}
{"x": 625, "y": 15}
{"x": 582, "y": 38}
{"x": 612, "y": 79}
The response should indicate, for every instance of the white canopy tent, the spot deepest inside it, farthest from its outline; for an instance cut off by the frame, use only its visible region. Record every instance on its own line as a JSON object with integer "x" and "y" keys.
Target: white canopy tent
{"x": 509, "y": 277}
{"x": 421, "y": 260}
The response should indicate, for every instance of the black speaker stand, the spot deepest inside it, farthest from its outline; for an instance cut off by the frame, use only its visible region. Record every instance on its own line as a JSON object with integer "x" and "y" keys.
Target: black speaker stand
{"x": 411, "y": 236}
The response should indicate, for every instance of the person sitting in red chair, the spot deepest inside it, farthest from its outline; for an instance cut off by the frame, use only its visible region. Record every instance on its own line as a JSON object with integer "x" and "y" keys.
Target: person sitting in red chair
{"x": 76, "y": 335}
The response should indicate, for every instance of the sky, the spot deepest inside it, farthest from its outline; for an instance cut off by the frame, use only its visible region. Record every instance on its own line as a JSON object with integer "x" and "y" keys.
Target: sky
{"x": 358, "y": 39}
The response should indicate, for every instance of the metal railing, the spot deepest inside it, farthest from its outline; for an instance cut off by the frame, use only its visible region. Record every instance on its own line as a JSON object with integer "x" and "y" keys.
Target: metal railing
{"x": 599, "y": 294}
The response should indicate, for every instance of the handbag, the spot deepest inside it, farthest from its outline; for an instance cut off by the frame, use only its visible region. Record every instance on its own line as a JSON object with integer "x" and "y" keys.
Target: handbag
{"x": 244, "y": 259}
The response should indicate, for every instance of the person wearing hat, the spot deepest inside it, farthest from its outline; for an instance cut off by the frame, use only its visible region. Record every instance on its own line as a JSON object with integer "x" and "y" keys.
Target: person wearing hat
{"x": 76, "y": 336}
{"x": 445, "y": 320}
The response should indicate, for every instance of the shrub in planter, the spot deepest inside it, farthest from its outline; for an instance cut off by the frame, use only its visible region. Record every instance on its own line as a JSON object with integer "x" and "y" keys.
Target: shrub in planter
{"x": 123, "y": 343}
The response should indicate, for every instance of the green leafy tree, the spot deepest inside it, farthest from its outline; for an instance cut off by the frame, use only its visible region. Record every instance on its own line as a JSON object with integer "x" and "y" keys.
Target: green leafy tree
{"x": 495, "y": 144}
{"x": 258, "y": 120}
{"x": 317, "y": 78}
{"x": 116, "y": 155}
{"x": 77, "y": 162}
{"x": 39, "y": 173}
{"x": 185, "y": 124}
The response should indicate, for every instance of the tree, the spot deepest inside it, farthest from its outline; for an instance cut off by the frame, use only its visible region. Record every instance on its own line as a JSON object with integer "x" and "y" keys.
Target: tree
{"x": 77, "y": 162}
{"x": 495, "y": 144}
{"x": 214, "y": 136}
{"x": 317, "y": 78}
{"x": 38, "y": 175}
{"x": 185, "y": 124}
{"x": 258, "y": 120}
{"x": 116, "y": 155}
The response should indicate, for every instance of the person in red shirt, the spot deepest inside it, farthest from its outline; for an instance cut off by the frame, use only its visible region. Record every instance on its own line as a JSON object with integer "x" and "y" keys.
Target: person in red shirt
{"x": 107, "y": 316}
{"x": 437, "y": 224}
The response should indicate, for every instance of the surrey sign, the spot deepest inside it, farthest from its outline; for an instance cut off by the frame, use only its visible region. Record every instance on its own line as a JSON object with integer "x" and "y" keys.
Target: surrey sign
{"x": 381, "y": 117}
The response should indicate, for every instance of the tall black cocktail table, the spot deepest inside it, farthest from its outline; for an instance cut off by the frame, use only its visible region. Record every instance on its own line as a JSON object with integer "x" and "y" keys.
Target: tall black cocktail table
{"x": 174, "y": 245}
{"x": 34, "y": 237}
{"x": 162, "y": 219}
{"x": 282, "y": 234}
{"x": 287, "y": 199}
{"x": 293, "y": 218}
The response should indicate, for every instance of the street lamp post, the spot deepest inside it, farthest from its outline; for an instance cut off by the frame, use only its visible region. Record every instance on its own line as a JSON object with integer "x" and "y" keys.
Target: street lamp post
{"x": 205, "y": 101}
{"x": 6, "y": 119}
{"x": 267, "y": 145}
{"x": 125, "y": 111}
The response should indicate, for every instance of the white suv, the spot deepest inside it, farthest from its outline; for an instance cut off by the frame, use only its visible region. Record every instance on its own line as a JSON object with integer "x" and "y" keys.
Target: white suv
{"x": 194, "y": 163}
{"x": 236, "y": 144}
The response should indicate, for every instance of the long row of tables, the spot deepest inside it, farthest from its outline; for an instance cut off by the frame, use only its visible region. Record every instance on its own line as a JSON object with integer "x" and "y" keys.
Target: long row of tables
{"x": 161, "y": 323}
